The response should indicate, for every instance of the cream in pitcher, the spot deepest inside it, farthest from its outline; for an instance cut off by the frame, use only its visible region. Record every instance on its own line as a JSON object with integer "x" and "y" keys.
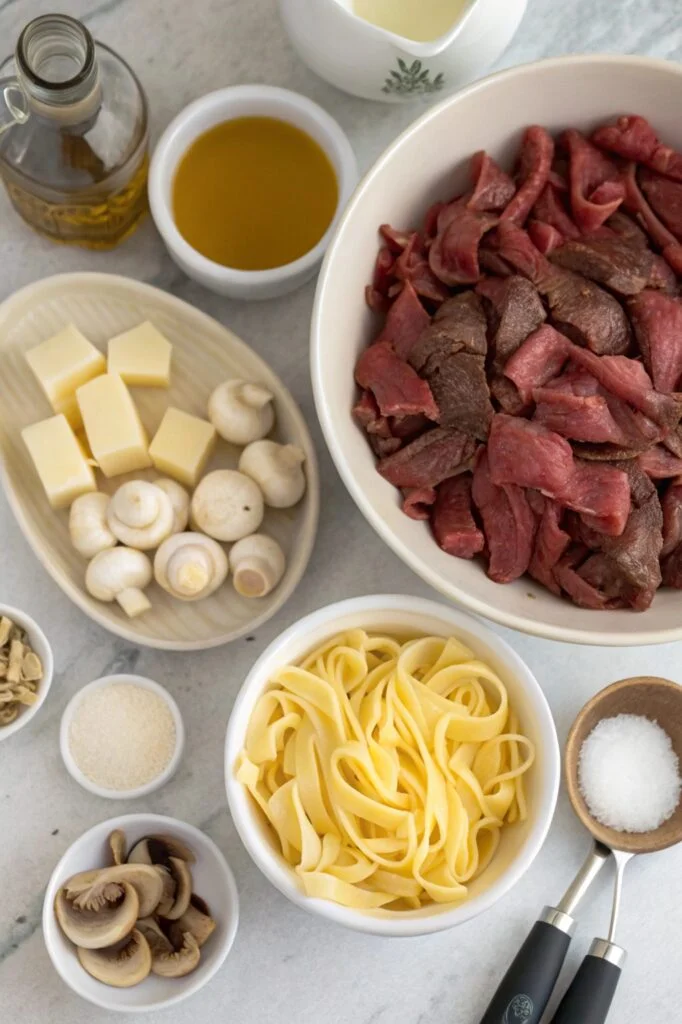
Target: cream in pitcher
{"x": 398, "y": 50}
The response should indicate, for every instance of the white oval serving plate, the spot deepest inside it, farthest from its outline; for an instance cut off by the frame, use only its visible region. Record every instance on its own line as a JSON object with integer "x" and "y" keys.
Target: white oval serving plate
{"x": 204, "y": 353}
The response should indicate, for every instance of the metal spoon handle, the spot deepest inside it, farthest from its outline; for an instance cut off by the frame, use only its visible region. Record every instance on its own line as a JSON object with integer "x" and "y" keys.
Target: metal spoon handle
{"x": 588, "y": 998}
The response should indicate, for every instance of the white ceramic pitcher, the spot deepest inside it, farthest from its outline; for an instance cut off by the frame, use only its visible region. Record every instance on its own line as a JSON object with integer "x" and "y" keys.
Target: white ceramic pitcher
{"x": 368, "y": 61}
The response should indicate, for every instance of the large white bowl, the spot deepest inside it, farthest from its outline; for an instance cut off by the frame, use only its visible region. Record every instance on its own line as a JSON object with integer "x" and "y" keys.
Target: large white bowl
{"x": 212, "y": 879}
{"x": 519, "y": 845}
{"x": 427, "y": 162}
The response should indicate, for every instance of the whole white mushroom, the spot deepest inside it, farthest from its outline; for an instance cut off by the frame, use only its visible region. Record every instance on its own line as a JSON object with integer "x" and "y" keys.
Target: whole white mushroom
{"x": 240, "y": 411}
{"x": 278, "y": 471}
{"x": 179, "y": 500}
{"x": 190, "y": 566}
{"x": 141, "y": 515}
{"x": 120, "y": 574}
{"x": 257, "y": 563}
{"x": 88, "y": 527}
{"x": 227, "y": 505}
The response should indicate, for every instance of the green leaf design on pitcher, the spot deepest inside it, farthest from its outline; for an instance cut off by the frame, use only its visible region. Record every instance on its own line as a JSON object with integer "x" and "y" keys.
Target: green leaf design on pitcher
{"x": 412, "y": 80}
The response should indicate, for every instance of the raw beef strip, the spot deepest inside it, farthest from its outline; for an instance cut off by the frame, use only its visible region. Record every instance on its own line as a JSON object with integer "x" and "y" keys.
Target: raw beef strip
{"x": 665, "y": 199}
{"x": 672, "y": 519}
{"x": 453, "y": 256}
{"x": 659, "y": 464}
{"x": 450, "y": 354}
{"x": 527, "y": 454}
{"x": 412, "y": 265}
{"x": 431, "y": 218}
{"x": 579, "y": 590}
{"x": 671, "y": 569}
{"x": 397, "y": 388}
{"x": 673, "y": 441}
{"x": 508, "y": 396}
{"x": 626, "y": 228}
{"x": 544, "y": 236}
{"x": 663, "y": 278}
{"x": 366, "y": 412}
{"x": 657, "y": 320}
{"x": 493, "y": 188}
{"x": 628, "y": 380}
{"x": 538, "y": 360}
{"x": 636, "y": 203}
{"x": 428, "y": 460}
{"x": 596, "y": 189}
{"x": 535, "y": 162}
{"x": 452, "y": 520}
{"x": 515, "y": 311}
{"x": 667, "y": 161}
{"x": 581, "y": 309}
{"x": 623, "y": 268}
{"x": 550, "y": 543}
{"x": 408, "y": 427}
{"x": 631, "y": 137}
{"x": 417, "y": 502}
{"x": 551, "y": 210}
{"x": 405, "y": 321}
{"x": 376, "y": 293}
{"x": 396, "y": 240}
{"x": 491, "y": 261}
{"x": 600, "y": 493}
{"x": 508, "y": 523}
{"x": 575, "y": 381}
{"x": 577, "y": 417}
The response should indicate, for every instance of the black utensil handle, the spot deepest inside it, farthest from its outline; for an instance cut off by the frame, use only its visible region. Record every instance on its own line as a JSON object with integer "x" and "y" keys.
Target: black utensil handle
{"x": 588, "y": 998}
{"x": 525, "y": 990}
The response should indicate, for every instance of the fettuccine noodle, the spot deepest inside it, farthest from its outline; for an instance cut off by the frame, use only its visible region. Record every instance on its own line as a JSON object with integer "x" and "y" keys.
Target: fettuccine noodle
{"x": 386, "y": 769}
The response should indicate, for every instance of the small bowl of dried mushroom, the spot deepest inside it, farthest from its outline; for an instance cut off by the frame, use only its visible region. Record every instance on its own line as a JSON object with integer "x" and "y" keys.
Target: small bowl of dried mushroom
{"x": 26, "y": 668}
{"x": 140, "y": 913}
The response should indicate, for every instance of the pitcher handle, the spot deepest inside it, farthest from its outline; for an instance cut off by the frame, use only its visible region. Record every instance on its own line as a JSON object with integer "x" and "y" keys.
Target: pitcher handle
{"x": 14, "y": 108}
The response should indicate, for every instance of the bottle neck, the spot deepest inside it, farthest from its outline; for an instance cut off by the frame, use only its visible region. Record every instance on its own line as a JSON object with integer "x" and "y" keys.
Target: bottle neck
{"x": 57, "y": 67}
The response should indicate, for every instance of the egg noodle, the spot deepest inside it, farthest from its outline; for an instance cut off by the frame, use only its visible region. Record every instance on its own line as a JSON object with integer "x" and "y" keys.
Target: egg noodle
{"x": 386, "y": 769}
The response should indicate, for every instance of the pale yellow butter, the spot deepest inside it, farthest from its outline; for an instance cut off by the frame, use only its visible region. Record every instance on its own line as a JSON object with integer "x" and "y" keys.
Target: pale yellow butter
{"x": 182, "y": 446}
{"x": 61, "y": 365}
{"x": 142, "y": 357}
{"x": 113, "y": 426}
{"x": 57, "y": 456}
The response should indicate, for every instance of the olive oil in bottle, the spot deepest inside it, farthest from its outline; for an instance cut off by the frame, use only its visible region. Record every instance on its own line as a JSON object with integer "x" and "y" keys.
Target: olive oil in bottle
{"x": 73, "y": 136}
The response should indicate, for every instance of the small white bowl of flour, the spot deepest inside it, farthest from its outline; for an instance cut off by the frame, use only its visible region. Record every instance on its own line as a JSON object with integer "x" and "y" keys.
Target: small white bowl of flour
{"x": 122, "y": 737}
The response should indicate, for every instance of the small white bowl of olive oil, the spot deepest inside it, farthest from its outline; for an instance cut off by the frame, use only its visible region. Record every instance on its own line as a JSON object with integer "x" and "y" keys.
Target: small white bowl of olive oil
{"x": 246, "y": 186}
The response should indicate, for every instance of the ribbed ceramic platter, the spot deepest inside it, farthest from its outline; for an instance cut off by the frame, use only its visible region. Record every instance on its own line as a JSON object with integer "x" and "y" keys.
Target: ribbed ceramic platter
{"x": 204, "y": 353}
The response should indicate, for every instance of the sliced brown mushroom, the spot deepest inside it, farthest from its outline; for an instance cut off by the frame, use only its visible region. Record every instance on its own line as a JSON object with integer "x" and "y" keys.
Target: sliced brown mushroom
{"x": 158, "y": 941}
{"x": 196, "y": 920}
{"x": 168, "y": 894}
{"x": 158, "y": 849}
{"x": 180, "y": 962}
{"x": 143, "y": 877}
{"x": 122, "y": 966}
{"x": 107, "y": 915}
{"x": 183, "y": 888}
{"x": 117, "y": 845}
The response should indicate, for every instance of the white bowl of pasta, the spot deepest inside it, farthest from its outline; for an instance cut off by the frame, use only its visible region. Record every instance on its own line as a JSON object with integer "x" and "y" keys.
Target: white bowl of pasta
{"x": 392, "y": 765}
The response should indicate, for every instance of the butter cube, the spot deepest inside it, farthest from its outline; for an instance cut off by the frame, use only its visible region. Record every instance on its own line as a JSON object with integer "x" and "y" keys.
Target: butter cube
{"x": 63, "y": 470}
{"x": 113, "y": 426}
{"x": 61, "y": 364}
{"x": 142, "y": 357}
{"x": 182, "y": 446}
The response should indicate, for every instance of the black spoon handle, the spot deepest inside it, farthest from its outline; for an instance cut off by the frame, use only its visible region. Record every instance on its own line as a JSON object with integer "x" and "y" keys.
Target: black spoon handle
{"x": 526, "y": 988}
{"x": 588, "y": 997}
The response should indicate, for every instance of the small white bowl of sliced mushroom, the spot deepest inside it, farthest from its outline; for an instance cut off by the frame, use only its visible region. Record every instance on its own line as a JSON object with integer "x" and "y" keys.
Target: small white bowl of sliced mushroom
{"x": 26, "y": 669}
{"x": 140, "y": 913}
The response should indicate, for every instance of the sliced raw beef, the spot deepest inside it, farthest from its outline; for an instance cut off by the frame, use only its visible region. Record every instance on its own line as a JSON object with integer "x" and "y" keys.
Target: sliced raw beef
{"x": 453, "y": 256}
{"x": 396, "y": 240}
{"x": 515, "y": 311}
{"x": 637, "y": 204}
{"x": 397, "y": 388}
{"x": 673, "y": 441}
{"x": 366, "y": 412}
{"x": 595, "y": 186}
{"x": 582, "y": 593}
{"x": 665, "y": 199}
{"x": 631, "y": 137}
{"x": 417, "y": 502}
{"x": 577, "y": 417}
{"x": 663, "y": 278}
{"x": 493, "y": 188}
{"x": 405, "y": 321}
{"x": 625, "y": 227}
{"x": 539, "y": 359}
{"x": 412, "y": 265}
{"x": 544, "y": 237}
{"x": 550, "y": 209}
{"x": 409, "y": 427}
{"x": 601, "y": 493}
{"x": 535, "y": 162}
{"x": 376, "y": 293}
{"x": 580, "y": 309}
{"x": 659, "y": 464}
{"x": 657, "y": 320}
{"x": 508, "y": 396}
{"x": 452, "y": 520}
{"x": 671, "y": 569}
{"x": 672, "y": 519}
{"x": 527, "y": 454}
{"x": 490, "y": 260}
{"x": 428, "y": 460}
{"x": 667, "y": 161}
{"x": 431, "y": 218}
{"x": 550, "y": 544}
{"x": 508, "y": 523}
{"x": 383, "y": 446}
{"x": 623, "y": 268}
{"x": 450, "y": 354}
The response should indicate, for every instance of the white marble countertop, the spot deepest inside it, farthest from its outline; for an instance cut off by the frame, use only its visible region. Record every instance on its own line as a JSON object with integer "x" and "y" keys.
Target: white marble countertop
{"x": 285, "y": 965}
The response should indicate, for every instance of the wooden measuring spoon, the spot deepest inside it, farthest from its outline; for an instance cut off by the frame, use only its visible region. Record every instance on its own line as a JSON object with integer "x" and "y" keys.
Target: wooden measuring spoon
{"x": 589, "y": 996}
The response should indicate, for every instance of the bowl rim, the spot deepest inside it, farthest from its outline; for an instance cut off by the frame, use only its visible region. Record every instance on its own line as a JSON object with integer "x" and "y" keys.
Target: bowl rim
{"x": 520, "y": 622}
{"x": 300, "y": 554}
{"x": 46, "y": 655}
{"x": 70, "y": 762}
{"x": 161, "y": 169}
{"x": 163, "y": 823}
{"x": 409, "y": 924}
